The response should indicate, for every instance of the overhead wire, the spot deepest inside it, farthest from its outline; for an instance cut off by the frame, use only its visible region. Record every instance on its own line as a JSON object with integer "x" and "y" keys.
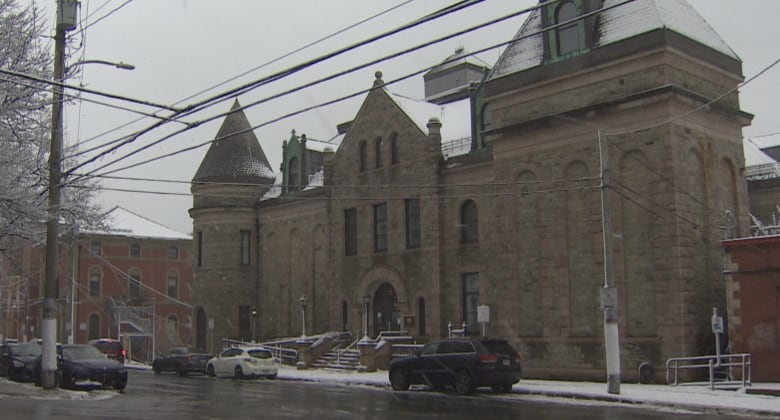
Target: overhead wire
{"x": 198, "y": 106}
{"x": 345, "y": 97}
{"x": 267, "y": 63}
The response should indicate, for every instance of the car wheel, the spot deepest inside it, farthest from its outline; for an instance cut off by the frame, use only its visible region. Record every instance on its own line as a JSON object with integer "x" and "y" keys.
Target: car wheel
{"x": 271, "y": 376}
{"x": 156, "y": 368}
{"x": 63, "y": 380}
{"x": 502, "y": 389}
{"x": 180, "y": 370}
{"x": 210, "y": 371}
{"x": 398, "y": 380}
{"x": 238, "y": 373}
{"x": 11, "y": 375}
{"x": 120, "y": 385}
{"x": 464, "y": 384}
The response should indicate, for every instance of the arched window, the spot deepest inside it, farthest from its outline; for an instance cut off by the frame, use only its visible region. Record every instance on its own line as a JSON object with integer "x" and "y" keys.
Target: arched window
{"x": 394, "y": 158}
{"x": 293, "y": 175}
{"x": 134, "y": 284}
{"x": 568, "y": 36}
{"x": 172, "y": 328}
{"x": 94, "y": 326}
{"x": 95, "y": 276}
{"x": 363, "y": 156}
{"x": 421, "y": 314}
{"x": 173, "y": 284}
{"x": 379, "y": 144}
{"x": 469, "y": 222}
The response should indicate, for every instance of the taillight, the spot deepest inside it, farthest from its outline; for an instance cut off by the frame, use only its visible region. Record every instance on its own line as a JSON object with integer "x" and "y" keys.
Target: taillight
{"x": 124, "y": 353}
{"x": 488, "y": 358}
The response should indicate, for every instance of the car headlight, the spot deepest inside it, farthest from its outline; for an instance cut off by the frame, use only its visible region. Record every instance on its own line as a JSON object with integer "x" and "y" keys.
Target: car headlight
{"x": 18, "y": 364}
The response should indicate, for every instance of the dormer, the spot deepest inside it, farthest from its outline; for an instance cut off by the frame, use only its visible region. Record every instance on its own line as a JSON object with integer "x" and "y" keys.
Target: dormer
{"x": 450, "y": 80}
{"x": 569, "y": 35}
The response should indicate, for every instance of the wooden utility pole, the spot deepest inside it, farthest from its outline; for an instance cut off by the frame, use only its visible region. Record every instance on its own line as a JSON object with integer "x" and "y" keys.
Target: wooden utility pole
{"x": 66, "y": 20}
{"x": 609, "y": 297}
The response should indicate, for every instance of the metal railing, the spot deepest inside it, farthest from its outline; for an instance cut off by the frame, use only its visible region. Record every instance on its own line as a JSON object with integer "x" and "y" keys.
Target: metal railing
{"x": 720, "y": 370}
{"x": 405, "y": 350}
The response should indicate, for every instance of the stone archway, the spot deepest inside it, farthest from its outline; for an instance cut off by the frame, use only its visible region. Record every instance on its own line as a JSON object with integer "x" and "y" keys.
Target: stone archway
{"x": 386, "y": 293}
{"x": 385, "y": 309}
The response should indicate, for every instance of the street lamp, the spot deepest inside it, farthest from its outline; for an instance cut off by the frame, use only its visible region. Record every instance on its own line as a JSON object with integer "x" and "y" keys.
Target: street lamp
{"x": 120, "y": 65}
{"x": 303, "y": 315}
{"x": 366, "y": 301}
{"x": 254, "y": 323}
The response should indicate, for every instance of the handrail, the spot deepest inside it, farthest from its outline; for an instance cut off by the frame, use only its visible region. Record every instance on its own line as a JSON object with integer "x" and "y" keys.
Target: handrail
{"x": 711, "y": 363}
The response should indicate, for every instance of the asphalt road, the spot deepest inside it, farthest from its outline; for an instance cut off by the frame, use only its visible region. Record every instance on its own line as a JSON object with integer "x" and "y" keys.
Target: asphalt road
{"x": 167, "y": 396}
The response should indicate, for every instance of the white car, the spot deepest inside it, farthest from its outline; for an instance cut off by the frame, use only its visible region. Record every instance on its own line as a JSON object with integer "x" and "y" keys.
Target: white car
{"x": 240, "y": 362}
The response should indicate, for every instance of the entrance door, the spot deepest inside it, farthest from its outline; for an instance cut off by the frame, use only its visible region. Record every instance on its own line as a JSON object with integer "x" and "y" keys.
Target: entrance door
{"x": 385, "y": 311}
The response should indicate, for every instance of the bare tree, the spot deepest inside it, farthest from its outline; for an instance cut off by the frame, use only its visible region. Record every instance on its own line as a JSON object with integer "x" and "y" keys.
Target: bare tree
{"x": 25, "y": 118}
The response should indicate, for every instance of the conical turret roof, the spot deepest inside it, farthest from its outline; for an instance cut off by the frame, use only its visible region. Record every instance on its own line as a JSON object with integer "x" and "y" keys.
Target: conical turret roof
{"x": 235, "y": 155}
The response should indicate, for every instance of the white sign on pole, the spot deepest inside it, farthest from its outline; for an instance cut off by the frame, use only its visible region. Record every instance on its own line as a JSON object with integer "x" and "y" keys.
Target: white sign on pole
{"x": 483, "y": 314}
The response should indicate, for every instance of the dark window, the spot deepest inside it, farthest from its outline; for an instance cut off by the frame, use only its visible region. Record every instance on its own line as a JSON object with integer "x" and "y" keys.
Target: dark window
{"x": 94, "y": 282}
{"x": 243, "y": 321}
{"x": 293, "y": 175}
{"x": 421, "y": 310}
{"x": 135, "y": 251}
{"x": 173, "y": 253}
{"x": 245, "y": 235}
{"x": 94, "y": 326}
{"x": 379, "y": 145}
{"x": 95, "y": 248}
{"x": 344, "y": 316}
{"x": 200, "y": 249}
{"x": 380, "y": 227}
{"x": 394, "y": 148}
{"x": 568, "y": 36}
{"x": 470, "y": 299}
{"x": 134, "y": 284}
{"x": 172, "y": 328}
{"x": 350, "y": 232}
{"x": 173, "y": 285}
{"x": 469, "y": 222}
{"x": 363, "y": 155}
{"x": 412, "y": 223}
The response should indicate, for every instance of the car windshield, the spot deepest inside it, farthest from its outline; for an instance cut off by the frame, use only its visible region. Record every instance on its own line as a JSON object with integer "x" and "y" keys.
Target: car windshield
{"x": 260, "y": 354}
{"x": 23, "y": 350}
{"x": 81, "y": 353}
{"x": 108, "y": 345}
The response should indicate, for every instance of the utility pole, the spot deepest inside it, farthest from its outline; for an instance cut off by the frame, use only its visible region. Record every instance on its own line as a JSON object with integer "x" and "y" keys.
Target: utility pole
{"x": 66, "y": 20}
{"x": 609, "y": 297}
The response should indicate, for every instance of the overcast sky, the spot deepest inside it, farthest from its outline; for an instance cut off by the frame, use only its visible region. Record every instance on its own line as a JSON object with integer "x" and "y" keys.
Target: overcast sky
{"x": 182, "y": 47}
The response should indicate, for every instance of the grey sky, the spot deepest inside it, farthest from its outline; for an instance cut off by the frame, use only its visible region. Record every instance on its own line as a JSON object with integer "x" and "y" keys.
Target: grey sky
{"x": 180, "y": 47}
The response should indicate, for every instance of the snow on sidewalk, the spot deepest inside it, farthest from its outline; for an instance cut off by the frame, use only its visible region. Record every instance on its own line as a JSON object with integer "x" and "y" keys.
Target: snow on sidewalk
{"x": 664, "y": 396}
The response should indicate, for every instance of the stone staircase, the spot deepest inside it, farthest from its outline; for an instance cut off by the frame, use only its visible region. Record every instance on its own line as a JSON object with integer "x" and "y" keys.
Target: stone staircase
{"x": 339, "y": 358}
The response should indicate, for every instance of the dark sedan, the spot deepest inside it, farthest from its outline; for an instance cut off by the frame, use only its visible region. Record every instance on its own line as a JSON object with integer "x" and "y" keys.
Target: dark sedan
{"x": 84, "y": 365}
{"x": 463, "y": 363}
{"x": 17, "y": 360}
{"x": 182, "y": 360}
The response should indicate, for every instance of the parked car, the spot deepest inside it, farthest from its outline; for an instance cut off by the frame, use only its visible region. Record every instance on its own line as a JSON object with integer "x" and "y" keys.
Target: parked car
{"x": 182, "y": 360}
{"x": 463, "y": 363}
{"x": 239, "y": 362}
{"x": 17, "y": 360}
{"x": 111, "y": 348}
{"x": 84, "y": 364}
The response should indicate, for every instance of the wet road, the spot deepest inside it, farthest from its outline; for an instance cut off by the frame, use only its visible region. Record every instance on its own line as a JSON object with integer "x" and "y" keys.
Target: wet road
{"x": 169, "y": 397}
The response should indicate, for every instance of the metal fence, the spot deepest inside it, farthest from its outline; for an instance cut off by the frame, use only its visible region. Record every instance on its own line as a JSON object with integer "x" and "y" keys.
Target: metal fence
{"x": 722, "y": 371}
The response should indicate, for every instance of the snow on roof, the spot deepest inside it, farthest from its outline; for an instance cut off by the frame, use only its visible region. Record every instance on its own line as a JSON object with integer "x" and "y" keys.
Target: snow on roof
{"x": 123, "y": 222}
{"x": 455, "y": 117}
{"x": 754, "y": 155}
{"x": 615, "y": 24}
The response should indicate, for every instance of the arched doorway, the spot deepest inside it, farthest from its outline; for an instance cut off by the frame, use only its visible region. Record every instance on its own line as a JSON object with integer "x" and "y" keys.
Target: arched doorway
{"x": 200, "y": 328}
{"x": 385, "y": 309}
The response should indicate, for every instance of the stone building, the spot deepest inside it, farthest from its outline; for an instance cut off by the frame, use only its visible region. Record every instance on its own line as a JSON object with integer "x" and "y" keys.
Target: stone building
{"x": 423, "y": 212}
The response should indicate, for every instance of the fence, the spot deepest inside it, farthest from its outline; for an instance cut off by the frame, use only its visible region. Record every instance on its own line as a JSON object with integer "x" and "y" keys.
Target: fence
{"x": 721, "y": 370}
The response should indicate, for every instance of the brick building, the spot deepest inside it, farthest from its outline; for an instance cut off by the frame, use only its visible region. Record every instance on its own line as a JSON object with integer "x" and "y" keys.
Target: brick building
{"x": 489, "y": 194}
{"x": 132, "y": 281}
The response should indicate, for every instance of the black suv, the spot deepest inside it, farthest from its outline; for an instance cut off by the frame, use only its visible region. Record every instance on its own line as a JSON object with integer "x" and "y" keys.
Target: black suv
{"x": 111, "y": 348}
{"x": 463, "y": 363}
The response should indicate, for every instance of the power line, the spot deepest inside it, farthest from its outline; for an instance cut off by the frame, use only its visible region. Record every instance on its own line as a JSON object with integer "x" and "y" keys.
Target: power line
{"x": 198, "y": 106}
{"x": 114, "y": 10}
{"x": 242, "y": 74}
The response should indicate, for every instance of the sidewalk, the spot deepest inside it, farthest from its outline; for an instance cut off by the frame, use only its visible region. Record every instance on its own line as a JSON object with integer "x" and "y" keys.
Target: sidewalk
{"x": 656, "y": 397}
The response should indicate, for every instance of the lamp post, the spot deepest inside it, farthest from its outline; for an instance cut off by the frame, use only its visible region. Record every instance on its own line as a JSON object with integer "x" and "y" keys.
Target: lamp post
{"x": 303, "y": 315}
{"x": 366, "y": 301}
{"x": 120, "y": 65}
{"x": 254, "y": 323}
